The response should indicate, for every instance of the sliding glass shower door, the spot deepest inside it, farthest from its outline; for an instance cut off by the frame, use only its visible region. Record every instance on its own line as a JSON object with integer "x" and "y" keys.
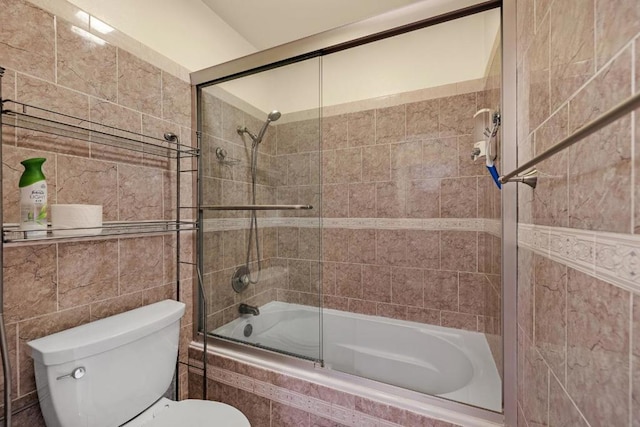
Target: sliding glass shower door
{"x": 260, "y": 178}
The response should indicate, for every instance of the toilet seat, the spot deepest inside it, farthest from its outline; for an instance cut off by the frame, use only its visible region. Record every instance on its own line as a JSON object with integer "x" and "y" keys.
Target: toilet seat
{"x": 198, "y": 413}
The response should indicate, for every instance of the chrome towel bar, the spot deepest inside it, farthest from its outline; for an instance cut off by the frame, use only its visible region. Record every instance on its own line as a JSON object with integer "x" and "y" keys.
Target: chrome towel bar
{"x": 256, "y": 207}
{"x": 593, "y": 126}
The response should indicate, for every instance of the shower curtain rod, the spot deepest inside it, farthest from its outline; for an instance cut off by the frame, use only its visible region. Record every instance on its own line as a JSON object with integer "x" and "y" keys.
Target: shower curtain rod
{"x": 593, "y": 126}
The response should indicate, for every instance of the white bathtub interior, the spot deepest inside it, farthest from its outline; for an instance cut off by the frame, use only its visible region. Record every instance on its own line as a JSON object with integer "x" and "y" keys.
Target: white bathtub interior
{"x": 445, "y": 362}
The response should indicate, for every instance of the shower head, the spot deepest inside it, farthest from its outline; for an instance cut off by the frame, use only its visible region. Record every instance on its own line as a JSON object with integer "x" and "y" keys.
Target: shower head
{"x": 274, "y": 115}
{"x": 271, "y": 117}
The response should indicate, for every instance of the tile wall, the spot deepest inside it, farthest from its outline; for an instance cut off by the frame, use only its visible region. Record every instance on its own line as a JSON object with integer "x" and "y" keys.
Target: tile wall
{"x": 403, "y": 213}
{"x": 60, "y": 65}
{"x": 269, "y": 398}
{"x": 578, "y": 318}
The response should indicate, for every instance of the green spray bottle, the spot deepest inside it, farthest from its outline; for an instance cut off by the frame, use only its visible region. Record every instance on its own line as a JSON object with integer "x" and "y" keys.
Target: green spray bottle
{"x": 33, "y": 198}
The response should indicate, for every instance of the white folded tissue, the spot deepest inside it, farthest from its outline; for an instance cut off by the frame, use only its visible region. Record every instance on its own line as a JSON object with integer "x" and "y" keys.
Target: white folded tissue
{"x": 76, "y": 220}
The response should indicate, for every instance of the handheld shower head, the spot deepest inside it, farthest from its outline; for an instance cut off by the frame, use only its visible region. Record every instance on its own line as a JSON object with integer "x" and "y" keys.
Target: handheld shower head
{"x": 272, "y": 117}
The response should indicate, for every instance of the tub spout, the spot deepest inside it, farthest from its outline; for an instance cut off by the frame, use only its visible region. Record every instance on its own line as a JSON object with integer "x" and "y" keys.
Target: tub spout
{"x": 248, "y": 309}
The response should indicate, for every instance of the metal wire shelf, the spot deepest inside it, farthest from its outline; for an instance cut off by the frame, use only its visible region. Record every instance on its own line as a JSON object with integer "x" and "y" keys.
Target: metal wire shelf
{"x": 29, "y": 117}
{"x": 11, "y": 233}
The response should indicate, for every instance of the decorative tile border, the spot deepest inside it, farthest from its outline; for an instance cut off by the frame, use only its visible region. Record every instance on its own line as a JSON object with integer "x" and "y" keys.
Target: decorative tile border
{"x": 287, "y": 397}
{"x": 612, "y": 257}
{"x": 491, "y": 226}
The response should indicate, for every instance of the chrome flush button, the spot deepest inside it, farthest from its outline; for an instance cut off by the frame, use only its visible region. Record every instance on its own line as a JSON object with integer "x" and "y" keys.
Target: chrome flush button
{"x": 76, "y": 374}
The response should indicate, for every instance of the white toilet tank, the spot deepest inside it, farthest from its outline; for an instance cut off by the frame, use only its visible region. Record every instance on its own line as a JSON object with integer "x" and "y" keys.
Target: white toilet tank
{"x": 128, "y": 362}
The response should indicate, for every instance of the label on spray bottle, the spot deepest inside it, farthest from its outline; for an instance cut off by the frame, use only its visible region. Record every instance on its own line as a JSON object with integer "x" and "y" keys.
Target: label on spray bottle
{"x": 33, "y": 209}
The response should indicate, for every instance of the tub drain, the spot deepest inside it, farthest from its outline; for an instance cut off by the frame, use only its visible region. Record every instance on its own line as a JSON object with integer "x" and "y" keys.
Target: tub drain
{"x": 248, "y": 330}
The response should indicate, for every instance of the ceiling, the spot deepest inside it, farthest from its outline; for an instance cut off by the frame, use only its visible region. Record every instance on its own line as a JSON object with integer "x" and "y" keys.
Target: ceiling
{"x": 270, "y": 23}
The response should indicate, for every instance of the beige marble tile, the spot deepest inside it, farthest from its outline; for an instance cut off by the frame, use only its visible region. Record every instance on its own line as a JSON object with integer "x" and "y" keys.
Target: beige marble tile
{"x": 423, "y": 119}
{"x": 407, "y": 286}
{"x": 176, "y": 104}
{"x": 392, "y": 311}
{"x": 617, "y": 22}
{"x": 348, "y": 165}
{"x": 467, "y": 322}
{"x": 600, "y": 166}
{"x": 44, "y": 325}
{"x": 390, "y": 124}
{"x": 406, "y": 161}
{"x": 362, "y": 246}
{"x": 155, "y": 155}
{"x": 423, "y": 315}
{"x": 376, "y": 163}
{"x": 335, "y": 201}
{"x": 441, "y": 290}
{"x": 600, "y": 180}
{"x": 286, "y": 138}
{"x": 538, "y": 68}
{"x": 562, "y": 411}
{"x": 459, "y": 250}
{"x": 80, "y": 279}
{"x": 30, "y": 282}
{"x": 550, "y": 198}
{"x": 211, "y": 111}
{"x": 571, "y": 47}
{"x": 284, "y": 415}
{"x": 550, "y": 313}
{"x": 349, "y": 280}
{"x": 140, "y": 193}
{"x": 110, "y": 114}
{"x": 139, "y": 84}
{"x": 471, "y": 293}
{"x": 55, "y": 98}
{"x": 390, "y": 200}
{"x": 525, "y": 24}
{"x": 456, "y": 114}
{"x": 141, "y": 263}
{"x": 299, "y": 275}
{"x": 27, "y": 39}
{"x": 309, "y": 243}
{"x": 86, "y": 63}
{"x": 525, "y": 291}
{"x": 459, "y": 198}
{"x": 298, "y": 169}
{"x": 423, "y": 199}
{"x": 542, "y": 8}
{"x": 423, "y": 249}
{"x": 376, "y": 281}
{"x": 288, "y": 238}
{"x": 8, "y": 83}
{"x": 117, "y": 305}
{"x": 361, "y": 128}
{"x": 362, "y": 200}
{"x": 334, "y": 132}
{"x": 536, "y": 383}
{"x": 90, "y": 182}
{"x": 308, "y": 135}
{"x": 598, "y": 349}
{"x": 440, "y": 158}
{"x": 391, "y": 246}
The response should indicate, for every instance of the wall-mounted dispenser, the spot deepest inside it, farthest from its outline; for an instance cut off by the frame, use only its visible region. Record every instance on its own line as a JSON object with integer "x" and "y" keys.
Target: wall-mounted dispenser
{"x": 486, "y": 125}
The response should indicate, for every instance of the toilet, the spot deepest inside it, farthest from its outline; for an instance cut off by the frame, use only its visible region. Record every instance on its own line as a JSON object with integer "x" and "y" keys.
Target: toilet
{"x": 115, "y": 371}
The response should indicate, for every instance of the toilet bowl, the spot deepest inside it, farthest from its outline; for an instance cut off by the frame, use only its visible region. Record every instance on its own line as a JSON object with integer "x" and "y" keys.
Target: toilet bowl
{"x": 115, "y": 372}
{"x": 189, "y": 413}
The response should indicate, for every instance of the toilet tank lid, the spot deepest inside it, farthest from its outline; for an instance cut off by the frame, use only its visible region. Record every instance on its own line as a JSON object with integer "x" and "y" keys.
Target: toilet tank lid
{"x": 105, "y": 334}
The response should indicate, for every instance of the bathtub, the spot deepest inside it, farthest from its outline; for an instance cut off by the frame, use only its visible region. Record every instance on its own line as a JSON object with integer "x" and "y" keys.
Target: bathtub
{"x": 444, "y": 362}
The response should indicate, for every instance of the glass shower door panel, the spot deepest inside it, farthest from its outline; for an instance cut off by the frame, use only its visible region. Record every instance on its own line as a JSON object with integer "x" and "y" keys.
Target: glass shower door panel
{"x": 260, "y": 142}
